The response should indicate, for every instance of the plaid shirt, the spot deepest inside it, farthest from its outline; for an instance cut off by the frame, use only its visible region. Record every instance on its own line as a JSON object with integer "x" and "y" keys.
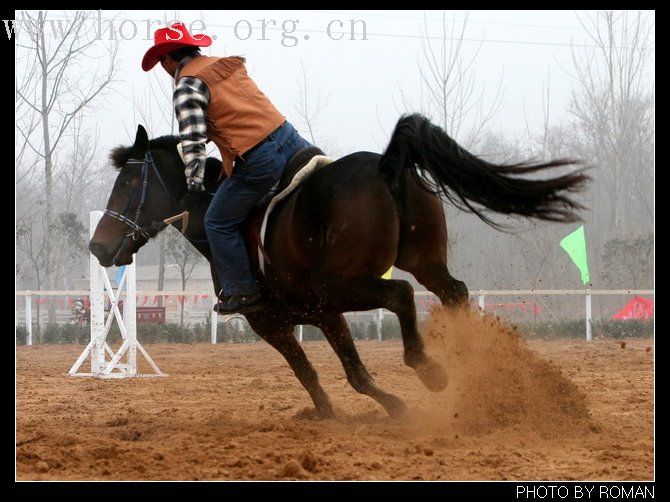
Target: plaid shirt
{"x": 191, "y": 98}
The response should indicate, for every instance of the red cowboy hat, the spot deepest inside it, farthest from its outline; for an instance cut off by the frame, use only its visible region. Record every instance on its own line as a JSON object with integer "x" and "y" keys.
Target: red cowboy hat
{"x": 170, "y": 39}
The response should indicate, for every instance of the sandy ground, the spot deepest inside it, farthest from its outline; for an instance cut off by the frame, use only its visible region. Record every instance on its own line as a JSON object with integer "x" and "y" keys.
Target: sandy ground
{"x": 558, "y": 410}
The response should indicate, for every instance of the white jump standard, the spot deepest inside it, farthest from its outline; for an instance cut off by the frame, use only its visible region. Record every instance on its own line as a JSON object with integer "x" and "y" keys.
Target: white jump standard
{"x": 97, "y": 348}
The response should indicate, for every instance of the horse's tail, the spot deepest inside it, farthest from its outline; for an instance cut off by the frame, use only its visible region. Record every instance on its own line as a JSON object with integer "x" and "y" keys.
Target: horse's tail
{"x": 464, "y": 179}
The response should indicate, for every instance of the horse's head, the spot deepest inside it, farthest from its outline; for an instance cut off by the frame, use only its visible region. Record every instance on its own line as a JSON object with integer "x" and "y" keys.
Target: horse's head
{"x": 150, "y": 182}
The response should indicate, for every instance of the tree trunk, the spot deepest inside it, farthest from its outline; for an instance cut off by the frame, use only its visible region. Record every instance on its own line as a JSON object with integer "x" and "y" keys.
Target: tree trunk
{"x": 48, "y": 168}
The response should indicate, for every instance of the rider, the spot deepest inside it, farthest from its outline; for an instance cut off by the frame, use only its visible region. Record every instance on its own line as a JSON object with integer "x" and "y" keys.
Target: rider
{"x": 215, "y": 99}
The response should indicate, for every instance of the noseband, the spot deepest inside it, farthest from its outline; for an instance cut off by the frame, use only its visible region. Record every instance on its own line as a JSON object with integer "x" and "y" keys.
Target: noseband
{"x": 140, "y": 193}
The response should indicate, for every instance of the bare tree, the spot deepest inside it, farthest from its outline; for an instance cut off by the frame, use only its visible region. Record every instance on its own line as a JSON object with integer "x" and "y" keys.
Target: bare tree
{"x": 308, "y": 108}
{"x": 450, "y": 93}
{"x": 31, "y": 240}
{"x": 28, "y": 180}
{"x": 57, "y": 92}
{"x": 185, "y": 257}
{"x": 79, "y": 170}
{"x": 154, "y": 108}
{"x": 613, "y": 103}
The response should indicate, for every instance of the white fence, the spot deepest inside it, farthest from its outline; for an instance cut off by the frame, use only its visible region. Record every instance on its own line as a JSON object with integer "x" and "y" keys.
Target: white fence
{"x": 480, "y": 295}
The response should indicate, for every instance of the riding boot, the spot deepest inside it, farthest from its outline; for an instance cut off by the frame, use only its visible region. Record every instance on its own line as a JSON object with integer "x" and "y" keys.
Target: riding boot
{"x": 240, "y": 304}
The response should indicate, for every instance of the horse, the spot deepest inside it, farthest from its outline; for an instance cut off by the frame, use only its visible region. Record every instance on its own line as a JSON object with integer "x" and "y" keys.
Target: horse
{"x": 329, "y": 242}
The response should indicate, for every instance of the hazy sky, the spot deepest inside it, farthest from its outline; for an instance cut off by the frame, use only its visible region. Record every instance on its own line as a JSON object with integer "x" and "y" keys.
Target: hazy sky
{"x": 361, "y": 78}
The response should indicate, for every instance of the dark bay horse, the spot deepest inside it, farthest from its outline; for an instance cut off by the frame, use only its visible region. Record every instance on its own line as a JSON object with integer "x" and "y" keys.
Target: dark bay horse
{"x": 331, "y": 240}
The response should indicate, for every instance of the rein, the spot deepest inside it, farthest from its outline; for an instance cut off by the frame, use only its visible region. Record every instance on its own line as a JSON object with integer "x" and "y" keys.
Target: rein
{"x": 141, "y": 192}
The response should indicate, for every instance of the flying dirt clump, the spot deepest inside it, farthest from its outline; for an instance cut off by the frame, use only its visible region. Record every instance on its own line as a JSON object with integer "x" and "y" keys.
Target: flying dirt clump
{"x": 495, "y": 381}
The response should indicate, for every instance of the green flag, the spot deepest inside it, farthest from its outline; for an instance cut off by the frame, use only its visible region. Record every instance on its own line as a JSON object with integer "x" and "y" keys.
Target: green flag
{"x": 575, "y": 245}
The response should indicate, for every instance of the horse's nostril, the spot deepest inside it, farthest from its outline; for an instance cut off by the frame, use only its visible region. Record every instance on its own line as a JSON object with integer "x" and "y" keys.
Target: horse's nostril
{"x": 98, "y": 250}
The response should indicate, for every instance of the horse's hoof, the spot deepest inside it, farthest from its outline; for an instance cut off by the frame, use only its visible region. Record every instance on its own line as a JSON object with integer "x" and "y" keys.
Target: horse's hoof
{"x": 397, "y": 409}
{"x": 315, "y": 414}
{"x": 432, "y": 375}
{"x": 324, "y": 414}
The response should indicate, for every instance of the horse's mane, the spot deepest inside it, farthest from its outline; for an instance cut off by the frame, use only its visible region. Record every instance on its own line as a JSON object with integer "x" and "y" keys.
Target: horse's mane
{"x": 121, "y": 154}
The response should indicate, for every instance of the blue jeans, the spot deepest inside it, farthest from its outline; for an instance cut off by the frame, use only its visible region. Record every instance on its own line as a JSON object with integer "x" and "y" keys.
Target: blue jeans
{"x": 254, "y": 174}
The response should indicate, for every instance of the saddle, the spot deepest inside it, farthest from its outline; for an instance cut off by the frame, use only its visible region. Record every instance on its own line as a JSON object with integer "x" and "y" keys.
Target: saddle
{"x": 254, "y": 222}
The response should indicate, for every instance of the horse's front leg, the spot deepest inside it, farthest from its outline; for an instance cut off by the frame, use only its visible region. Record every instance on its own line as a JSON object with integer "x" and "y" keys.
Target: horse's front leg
{"x": 337, "y": 333}
{"x": 277, "y": 330}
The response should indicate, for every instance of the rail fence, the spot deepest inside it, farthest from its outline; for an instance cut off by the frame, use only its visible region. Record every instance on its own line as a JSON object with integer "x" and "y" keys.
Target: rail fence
{"x": 517, "y": 305}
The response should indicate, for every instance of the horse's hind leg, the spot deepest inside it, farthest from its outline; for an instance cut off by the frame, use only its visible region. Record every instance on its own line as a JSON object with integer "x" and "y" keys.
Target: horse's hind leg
{"x": 422, "y": 246}
{"x": 280, "y": 336}
{"x": 335, "y": 328}
{"x": 437, "y": 279}
{"x": 396, "y": 296}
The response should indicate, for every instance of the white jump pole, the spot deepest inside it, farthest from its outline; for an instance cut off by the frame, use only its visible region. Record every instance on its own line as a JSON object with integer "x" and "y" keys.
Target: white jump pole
{"x": 214, "y": 323}
{"x": 130, "y": 316}
{"x": 589, "y": 333}
{"x": 481, "y": 301}
{"x": 98, "y": 348}
{"x": 97, "y": 303}
{"x": 300, "y": 333}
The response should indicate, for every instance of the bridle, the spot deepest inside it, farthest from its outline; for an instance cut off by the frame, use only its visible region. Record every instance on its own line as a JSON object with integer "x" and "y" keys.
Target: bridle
{"x": 140, "y": 193}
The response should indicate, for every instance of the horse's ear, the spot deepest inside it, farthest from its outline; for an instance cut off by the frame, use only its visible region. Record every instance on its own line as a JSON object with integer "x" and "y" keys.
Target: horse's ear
{"x": 141, "y": 139}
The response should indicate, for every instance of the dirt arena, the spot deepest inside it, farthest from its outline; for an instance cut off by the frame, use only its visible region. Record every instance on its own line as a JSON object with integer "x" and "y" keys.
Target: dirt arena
{"x": 558, "y": 410}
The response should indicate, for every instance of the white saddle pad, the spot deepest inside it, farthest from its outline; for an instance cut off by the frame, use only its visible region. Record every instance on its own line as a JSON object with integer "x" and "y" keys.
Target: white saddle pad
{"x": 305, "y": 172}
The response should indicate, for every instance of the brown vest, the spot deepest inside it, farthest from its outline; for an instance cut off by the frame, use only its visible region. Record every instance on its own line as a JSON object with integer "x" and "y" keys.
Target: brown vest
{"x": 239, "y": 115}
